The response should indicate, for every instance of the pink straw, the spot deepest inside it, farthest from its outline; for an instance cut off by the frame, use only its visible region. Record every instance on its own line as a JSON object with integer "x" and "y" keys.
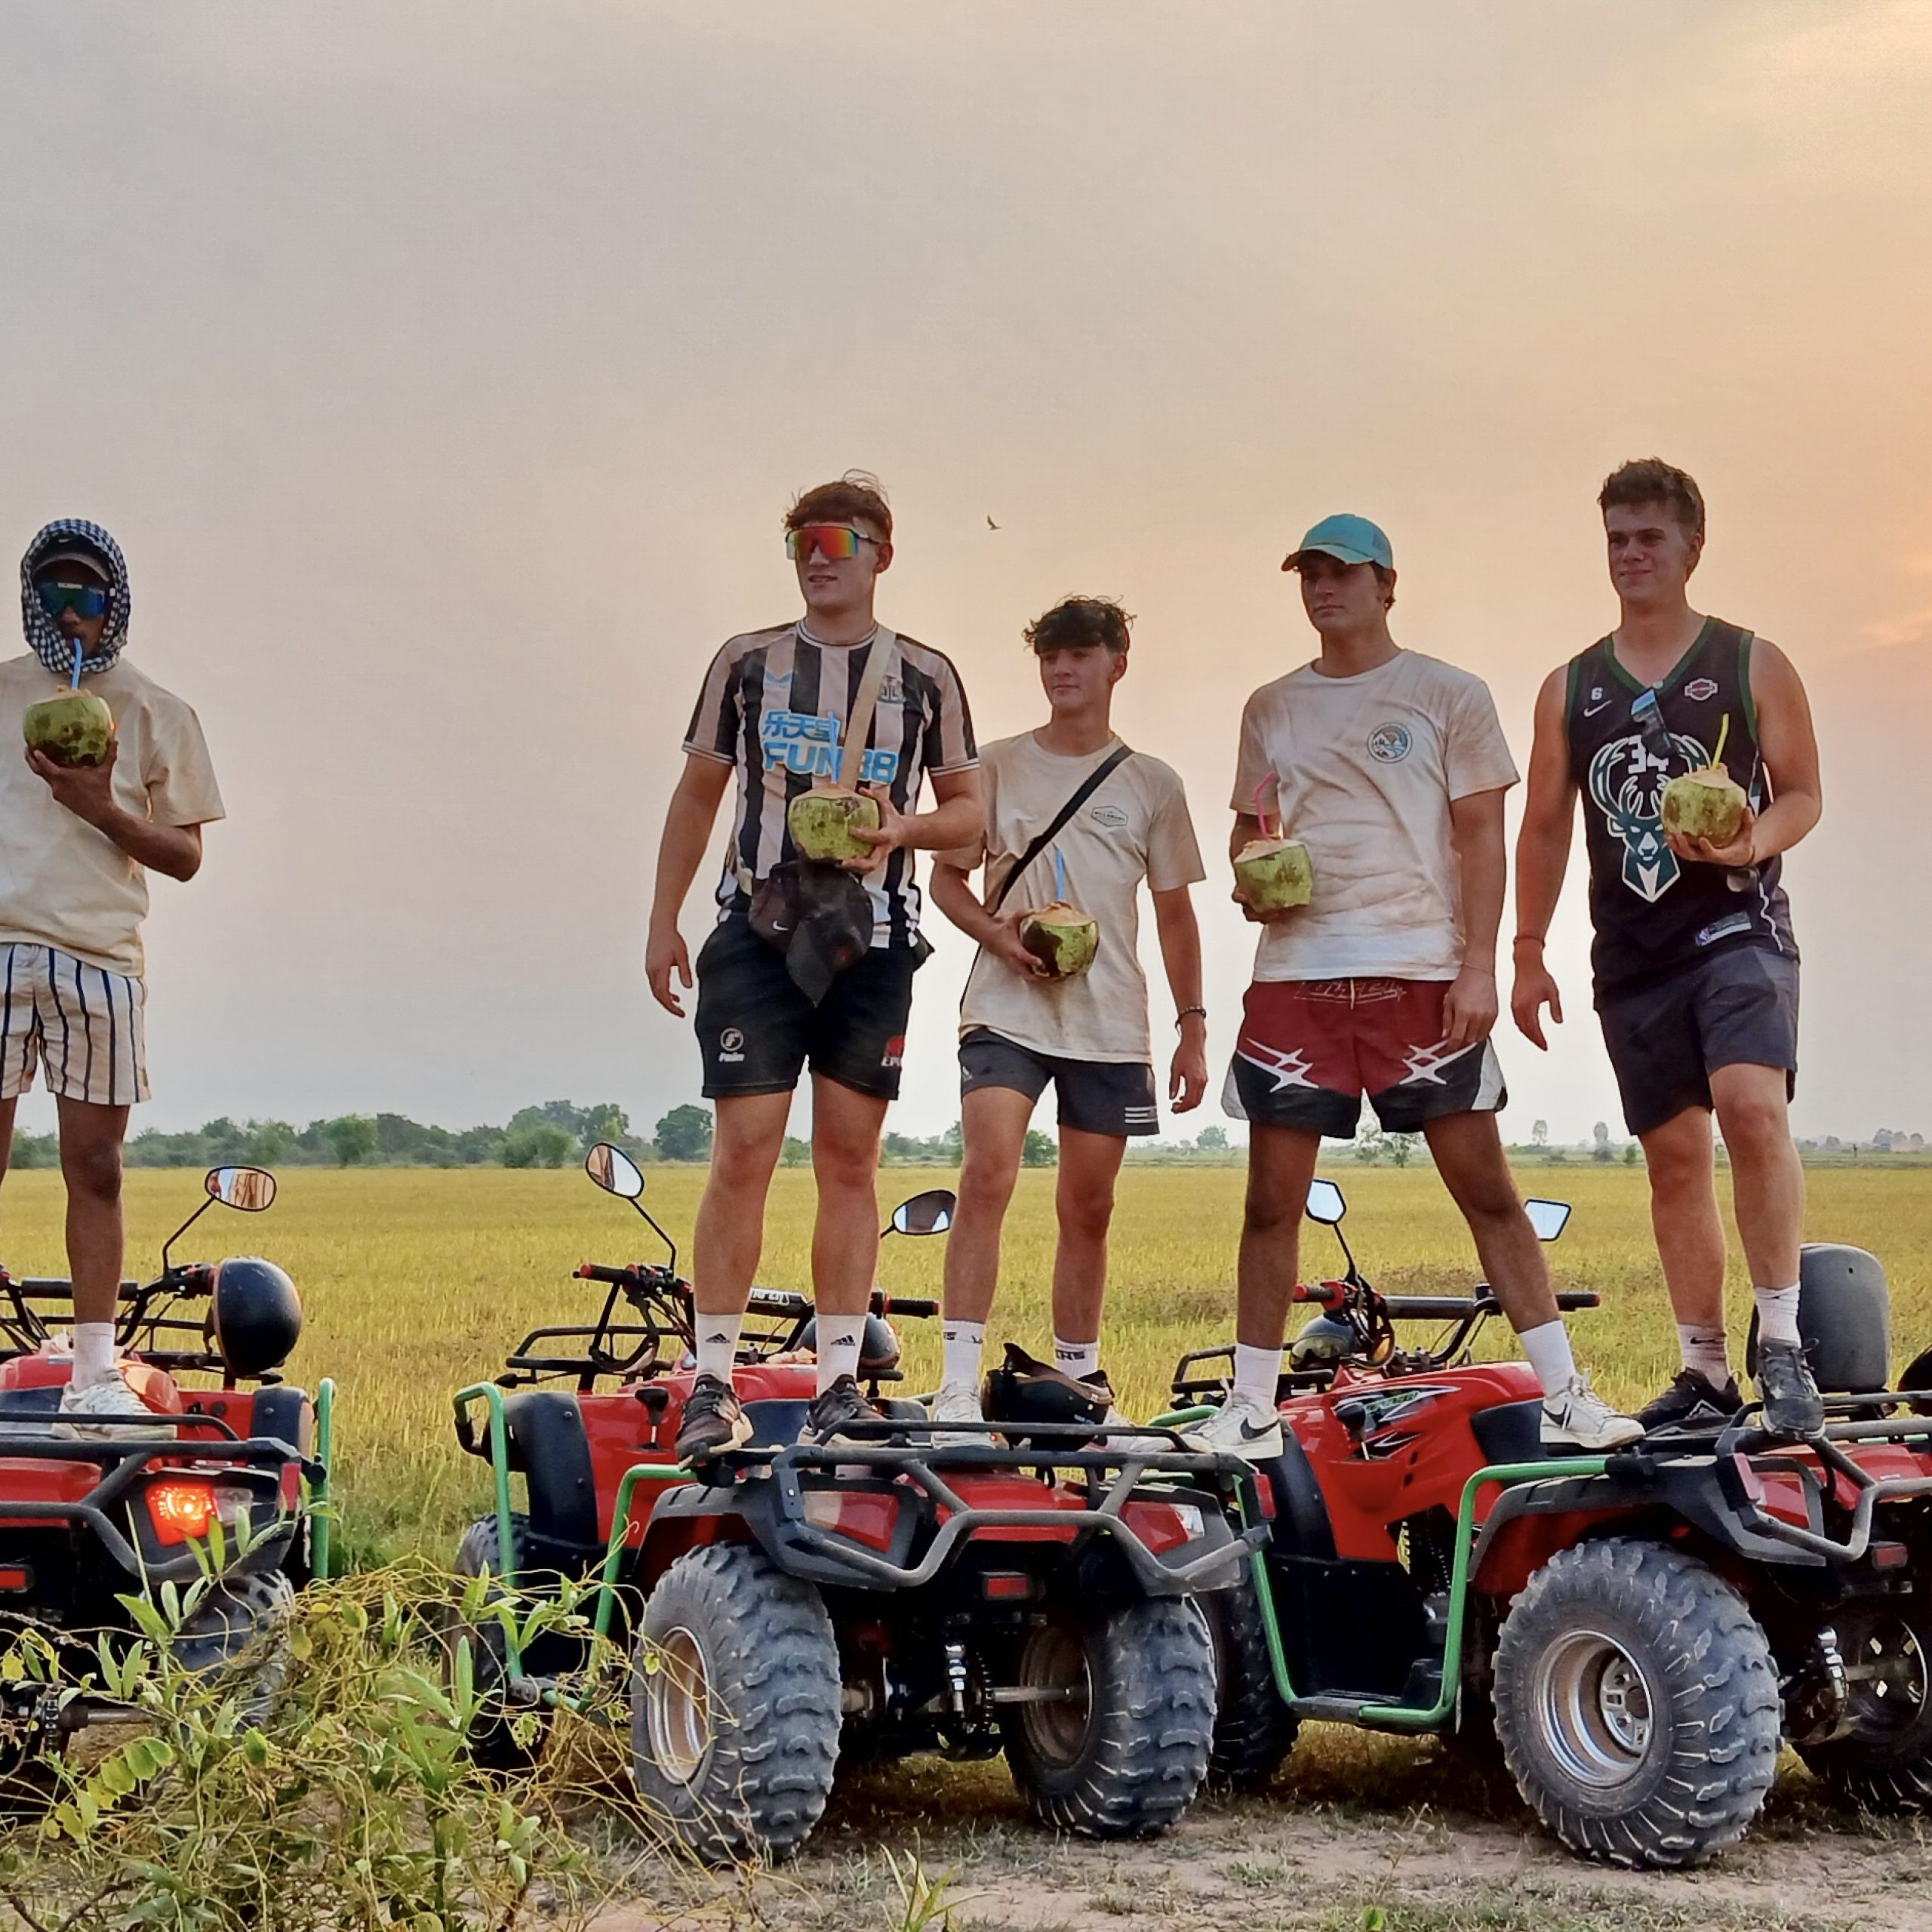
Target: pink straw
{"x": 1273, "y": 778}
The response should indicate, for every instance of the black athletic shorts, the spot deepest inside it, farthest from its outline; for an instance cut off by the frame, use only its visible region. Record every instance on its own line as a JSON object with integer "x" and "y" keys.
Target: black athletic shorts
{"x": 1737, "y": 1008}
{"x": 1095, "y": 1096}
{"x": 757, "y": 1031}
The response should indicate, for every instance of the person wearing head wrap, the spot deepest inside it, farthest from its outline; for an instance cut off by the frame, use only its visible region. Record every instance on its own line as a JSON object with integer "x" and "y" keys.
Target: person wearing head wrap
{"x": 77, "y": 842}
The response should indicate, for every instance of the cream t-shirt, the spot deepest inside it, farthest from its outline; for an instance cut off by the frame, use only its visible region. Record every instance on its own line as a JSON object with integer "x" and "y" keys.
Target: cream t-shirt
{"x": 62, "y": 883}
{"x": 1135, "y": 826}
{"x": 1367, "y": 767}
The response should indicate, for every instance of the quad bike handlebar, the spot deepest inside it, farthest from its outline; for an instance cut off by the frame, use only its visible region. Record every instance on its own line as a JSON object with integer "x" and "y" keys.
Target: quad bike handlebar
{"x": 1337, "y": 1296}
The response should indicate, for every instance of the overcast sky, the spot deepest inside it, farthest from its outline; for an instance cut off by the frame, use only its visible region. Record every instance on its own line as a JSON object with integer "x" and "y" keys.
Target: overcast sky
{"x": 444, "y": 370}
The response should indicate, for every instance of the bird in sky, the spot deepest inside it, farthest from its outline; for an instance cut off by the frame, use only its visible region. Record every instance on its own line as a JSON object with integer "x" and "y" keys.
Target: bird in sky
{"x": 991, "y": 524}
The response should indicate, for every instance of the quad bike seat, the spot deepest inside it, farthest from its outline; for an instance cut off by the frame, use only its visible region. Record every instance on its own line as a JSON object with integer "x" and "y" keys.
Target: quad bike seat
{"x": 1511, "y": 1432}
{"x": 31, "y": 1405}
{"x": 779, "y": 1422}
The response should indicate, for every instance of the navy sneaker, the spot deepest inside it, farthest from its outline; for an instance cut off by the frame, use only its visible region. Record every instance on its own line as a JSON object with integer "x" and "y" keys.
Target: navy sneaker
{"x": 1693, "y": 1401}
{"x": 1792, "y": 1404}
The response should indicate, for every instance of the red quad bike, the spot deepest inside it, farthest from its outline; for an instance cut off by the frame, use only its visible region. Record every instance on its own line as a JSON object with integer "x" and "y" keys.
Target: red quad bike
{"x": 1636, "y": 1632}
{"x": 789, "y": 1605}
{"x": 85, "y": 1521}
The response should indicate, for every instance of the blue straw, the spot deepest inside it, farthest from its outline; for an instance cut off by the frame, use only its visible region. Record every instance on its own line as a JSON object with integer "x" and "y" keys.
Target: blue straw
{"x": 1060, "y": 875}
{"x": 76, "y": 684}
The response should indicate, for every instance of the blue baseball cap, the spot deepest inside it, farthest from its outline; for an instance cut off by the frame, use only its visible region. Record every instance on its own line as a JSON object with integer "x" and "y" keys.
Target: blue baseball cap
{"x": 1353, "y": 539}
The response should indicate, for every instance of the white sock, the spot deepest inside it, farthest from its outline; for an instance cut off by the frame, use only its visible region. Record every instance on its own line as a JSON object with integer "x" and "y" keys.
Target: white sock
{"x": 964, "y": 1342}
{"x": 94, "y": 1353}
{"x": 1777, "y": 1314}
{"x": 1706, "y": 1351}
{"x": 838, "y": 1339}
{"x": 718, "y": 1344}
{"x": 1076, "y": 1357}
{"x": 1257, "y": 1373}
{"x": 1547, "y": 1347}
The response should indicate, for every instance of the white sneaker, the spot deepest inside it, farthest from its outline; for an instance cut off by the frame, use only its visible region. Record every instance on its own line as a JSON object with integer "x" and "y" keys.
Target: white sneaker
{"x": 1580, "y": 1418}
{"x": 957, "y": 1401}
{"x": 1241, "y": 1427}
{"x": 102, "y": 1409}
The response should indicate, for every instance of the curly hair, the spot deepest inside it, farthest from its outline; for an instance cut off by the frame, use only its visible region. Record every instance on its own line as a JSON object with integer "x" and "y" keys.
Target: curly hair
{"x": 1650, "y": 480}
{"x": 1076, "y": 621}
{"x": 857, "y": 494}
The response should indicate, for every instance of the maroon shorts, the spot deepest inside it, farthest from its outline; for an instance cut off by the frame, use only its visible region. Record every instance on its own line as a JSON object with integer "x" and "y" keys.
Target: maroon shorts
{"x": 1310, "y": 1050}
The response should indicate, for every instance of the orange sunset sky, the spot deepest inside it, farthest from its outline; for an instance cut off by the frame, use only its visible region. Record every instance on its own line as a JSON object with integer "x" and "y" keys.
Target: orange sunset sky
{"x": 444, "y": 370}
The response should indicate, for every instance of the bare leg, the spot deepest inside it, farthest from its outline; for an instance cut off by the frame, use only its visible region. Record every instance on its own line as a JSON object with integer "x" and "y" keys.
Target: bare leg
{"x": 993, "y": 1122}
{"x": 1089, "y": 1165}
{"x": 748, "y": 1138}
{"x": 1684, "y": 1215}
{"x": 90, "y": 1141}
{"x": 6, "y": 1107}
{"x": 1767, "y": 1177}
{"x": 1468, "y": 1152}
{"x": 846, "y": 1125}
{"x": 1281, "y": 1164}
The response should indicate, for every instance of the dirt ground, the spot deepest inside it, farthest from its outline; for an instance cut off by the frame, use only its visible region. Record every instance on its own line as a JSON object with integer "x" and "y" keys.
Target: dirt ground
{"x": 1363, "y": 1834}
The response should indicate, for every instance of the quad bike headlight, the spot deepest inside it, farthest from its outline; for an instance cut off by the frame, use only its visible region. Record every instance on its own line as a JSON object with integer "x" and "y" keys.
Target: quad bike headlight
{"x": 181, "y": 1508}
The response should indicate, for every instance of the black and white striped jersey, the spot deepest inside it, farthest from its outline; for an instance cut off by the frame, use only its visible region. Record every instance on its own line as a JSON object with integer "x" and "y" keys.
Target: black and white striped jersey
{"x": 774, "y": 704}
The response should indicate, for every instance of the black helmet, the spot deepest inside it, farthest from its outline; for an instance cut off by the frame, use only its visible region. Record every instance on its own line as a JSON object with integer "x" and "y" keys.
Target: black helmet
{"x": 254, "y": 1314}
{"x": 878, "y": 1348}
{"x": 1321, "y": 1341}
{"x": 1023, "y": 1390}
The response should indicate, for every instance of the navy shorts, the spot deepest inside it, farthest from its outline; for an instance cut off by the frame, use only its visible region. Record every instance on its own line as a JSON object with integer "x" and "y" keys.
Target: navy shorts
{"x": 1095, "y": 1096}
{"x": 757, "y": 1033}
{"x": 1667, "y": 1037}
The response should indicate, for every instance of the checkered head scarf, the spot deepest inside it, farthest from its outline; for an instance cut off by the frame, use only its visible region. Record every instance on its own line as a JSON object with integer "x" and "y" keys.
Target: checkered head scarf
{"x": 74, "y": 533}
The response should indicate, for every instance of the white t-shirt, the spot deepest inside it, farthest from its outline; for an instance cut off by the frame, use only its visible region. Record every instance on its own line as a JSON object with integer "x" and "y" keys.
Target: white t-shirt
{"x": 1367, "y": 768}
{"x": 62, "y": 883}
{"x": 1135, "y": 826}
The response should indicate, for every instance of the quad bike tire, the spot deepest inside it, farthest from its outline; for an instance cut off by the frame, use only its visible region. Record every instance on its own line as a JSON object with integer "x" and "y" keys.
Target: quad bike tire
{"x": 735, "y": 1704}
{"x": 1124, "y": 1756}
{"x": 237, "y": 1638}
{"x": 1883, "y": 1762}
{"x": 505, "y": 1737}
{"x": 1254, "y": 1730}
{"x": 1637, "y": 1703}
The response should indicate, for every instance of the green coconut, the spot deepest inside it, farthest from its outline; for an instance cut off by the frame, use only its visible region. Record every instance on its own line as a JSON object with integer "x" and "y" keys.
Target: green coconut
{"x": 1272, "y": 875}
{"x": 73, "y": 727}
{"x": 1708, "y": 804}
{"x": 1062, "y": 938}
{"x": 821, "y": 822}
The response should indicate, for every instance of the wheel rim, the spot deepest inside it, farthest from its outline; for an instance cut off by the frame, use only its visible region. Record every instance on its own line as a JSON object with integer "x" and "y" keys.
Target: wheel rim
{"x": 1056, "y": 1727}
{"x": 678, "y": 1706}
{"x": 1891, "y": 1680}
{"x": 1596, "y": 1708}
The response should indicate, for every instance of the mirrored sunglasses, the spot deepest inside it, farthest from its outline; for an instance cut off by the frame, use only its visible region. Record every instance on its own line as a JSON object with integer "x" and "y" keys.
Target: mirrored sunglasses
{"x": 836, "y": 542}
{"x": 87, "y": 600}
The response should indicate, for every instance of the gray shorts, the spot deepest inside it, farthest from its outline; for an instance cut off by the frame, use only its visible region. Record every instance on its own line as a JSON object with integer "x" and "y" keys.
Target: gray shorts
{"x": 1667, "y": 1037}
{"x": 1095, "y": 1096}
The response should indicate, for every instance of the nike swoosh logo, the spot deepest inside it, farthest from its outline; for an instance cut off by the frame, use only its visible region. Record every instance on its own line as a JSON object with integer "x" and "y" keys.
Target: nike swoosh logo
{"x": 1249, "y": 1433}
{"x": 1591, "y": 710}
{"x": 779, "y": 926}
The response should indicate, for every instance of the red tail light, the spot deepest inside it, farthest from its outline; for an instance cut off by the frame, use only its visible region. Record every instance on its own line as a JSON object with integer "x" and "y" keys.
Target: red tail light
{"x": 181, "y": 1508}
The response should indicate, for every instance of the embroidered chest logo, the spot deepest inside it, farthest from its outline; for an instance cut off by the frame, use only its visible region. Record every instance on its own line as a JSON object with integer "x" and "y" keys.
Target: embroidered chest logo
{"x": 1112, "y": 816}
{"x": 1389, "y": 743}
{"x": 1627, "y": 778}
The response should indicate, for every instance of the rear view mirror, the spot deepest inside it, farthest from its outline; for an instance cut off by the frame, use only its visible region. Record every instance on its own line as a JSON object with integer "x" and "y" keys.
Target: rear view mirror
{"x": 1549, "y": 1218}
{"x": 927, "y": 1214}
{"x": 249, "y": 1189}
{"x": 614, "y": 1171}
{"x": 1325, "y": 1203}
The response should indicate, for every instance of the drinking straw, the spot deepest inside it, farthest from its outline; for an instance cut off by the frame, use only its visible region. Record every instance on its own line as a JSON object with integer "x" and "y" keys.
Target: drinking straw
{"x": 1724, "y": 732}
{"x": 1272, "y": 777}
{"x": 75, "y": 685}
{"x": 1060, "y": 875}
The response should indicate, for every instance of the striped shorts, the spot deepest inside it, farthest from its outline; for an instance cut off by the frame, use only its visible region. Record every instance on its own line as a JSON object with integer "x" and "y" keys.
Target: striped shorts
{"x": 84, "y": 1023}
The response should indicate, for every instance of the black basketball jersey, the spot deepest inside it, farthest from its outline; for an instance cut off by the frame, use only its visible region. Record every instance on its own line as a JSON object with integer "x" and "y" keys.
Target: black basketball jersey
{"x": 1652, "y": 915}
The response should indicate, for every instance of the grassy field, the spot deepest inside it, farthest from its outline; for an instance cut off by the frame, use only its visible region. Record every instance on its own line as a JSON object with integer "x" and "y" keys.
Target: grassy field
{"x": 416, "y": 1281}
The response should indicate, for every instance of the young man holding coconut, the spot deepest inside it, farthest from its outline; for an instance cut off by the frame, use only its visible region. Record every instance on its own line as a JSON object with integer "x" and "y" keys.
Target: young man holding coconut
{"x": 809, "y": 964}
{"x": 115, "y": 783}
{"x": 1024, "y": 1026}
{"x": 1390, "y": 769}
{"x": 1695, "y": 965}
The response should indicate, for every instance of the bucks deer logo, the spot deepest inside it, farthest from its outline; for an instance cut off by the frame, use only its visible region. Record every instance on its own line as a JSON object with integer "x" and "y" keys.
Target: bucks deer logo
{"x": 1627, "y": 778}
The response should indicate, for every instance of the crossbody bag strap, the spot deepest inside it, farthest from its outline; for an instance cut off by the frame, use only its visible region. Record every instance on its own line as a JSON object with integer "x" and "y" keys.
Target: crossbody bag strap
{"x": 1082, "y": 792}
